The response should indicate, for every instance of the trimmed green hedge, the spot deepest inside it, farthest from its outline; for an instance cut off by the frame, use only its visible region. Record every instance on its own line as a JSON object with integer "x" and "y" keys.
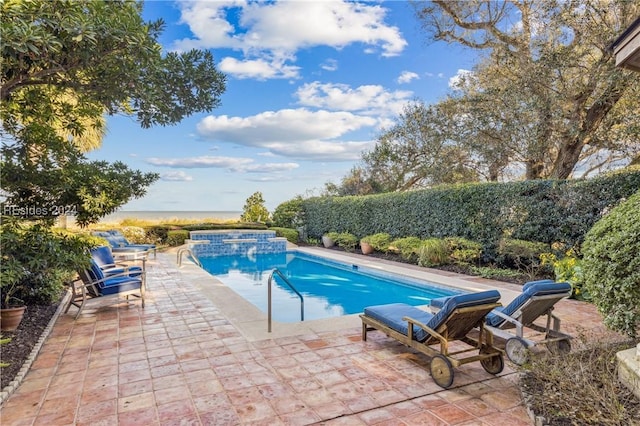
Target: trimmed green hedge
{"x": 611, "y": 266}
{"x": 542, "y": 210}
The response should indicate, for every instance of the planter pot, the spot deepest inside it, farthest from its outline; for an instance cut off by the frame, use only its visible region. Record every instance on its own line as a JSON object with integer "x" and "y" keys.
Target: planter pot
{"x": 366, "y": 248}
{"x": 327, "y": 242}
{"x": 10, "y": 318}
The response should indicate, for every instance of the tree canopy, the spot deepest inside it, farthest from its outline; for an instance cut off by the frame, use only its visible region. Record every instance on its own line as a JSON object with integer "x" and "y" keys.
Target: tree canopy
{"x": 67, "y": 64}
{"x": 544, "y": 101}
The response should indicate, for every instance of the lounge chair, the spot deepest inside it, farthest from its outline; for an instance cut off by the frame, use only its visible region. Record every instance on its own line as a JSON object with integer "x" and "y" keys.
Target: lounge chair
{"x": 419, "y": 330}
{"x": 536, "y": 300}
{"x": 93, "y": 284}
{"x": 104, "y": 259}
{"x": 119, "y": 244}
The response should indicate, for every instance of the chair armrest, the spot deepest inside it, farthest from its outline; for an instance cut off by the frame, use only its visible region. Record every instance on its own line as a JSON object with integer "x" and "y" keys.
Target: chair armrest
{"x": 429, "y": 330}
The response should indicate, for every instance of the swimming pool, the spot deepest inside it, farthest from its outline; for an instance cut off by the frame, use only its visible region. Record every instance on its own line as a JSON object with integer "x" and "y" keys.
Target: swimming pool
{"x": 330, "y": 288}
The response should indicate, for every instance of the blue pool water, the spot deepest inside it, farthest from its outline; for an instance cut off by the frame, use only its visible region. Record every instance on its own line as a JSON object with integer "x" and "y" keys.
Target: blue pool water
{"x": 329, "y": 288}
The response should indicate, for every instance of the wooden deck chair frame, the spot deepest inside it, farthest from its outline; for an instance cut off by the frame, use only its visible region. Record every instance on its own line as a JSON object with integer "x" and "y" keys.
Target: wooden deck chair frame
{"x": 85, "y": 289}
{"x": 517, "y": 346}
{"x": 456, "y": 327}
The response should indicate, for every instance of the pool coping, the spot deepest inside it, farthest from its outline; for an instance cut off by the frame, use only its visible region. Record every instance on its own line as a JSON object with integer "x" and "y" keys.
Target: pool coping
{"x": 252, "y": 322}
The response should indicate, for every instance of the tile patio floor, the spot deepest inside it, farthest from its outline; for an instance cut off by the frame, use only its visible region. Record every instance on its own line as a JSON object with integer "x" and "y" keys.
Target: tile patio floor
{"x": 181, "y": 361}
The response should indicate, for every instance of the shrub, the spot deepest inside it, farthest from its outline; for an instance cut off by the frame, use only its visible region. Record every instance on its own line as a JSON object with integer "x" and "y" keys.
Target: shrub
{"x": 346, "y": 240}
{"x": 522, "y": 255}
{"x": 433, "y": 252}
{"x": 289, "y": 214}
{"x": 408, "y": 247}
{"x": 496, "y": 273}
{"x": 176, "y": 238}
{"x": 611, "y": 266}
{"x": 290, "y": 234}
{"x": 380, "y": 241}
{"x": 37, "y": 261}
{"x": 568, "y": 268}
{"x": 134, "y": 234}
{"x": 462, "y": 250}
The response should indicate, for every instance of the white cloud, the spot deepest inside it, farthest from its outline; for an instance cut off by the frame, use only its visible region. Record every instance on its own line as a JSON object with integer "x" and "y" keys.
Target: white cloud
{"x": 367, "y": 99}
{"x": 178, "y": 176}
{"x": 407, "y": 77}
{"x": 198, "y": 162}
{"x": 233, "y": 164}
{"x": 460, "y": 79}
{"x": 329, "y": 65}
{"x": 260, "y": 68}
{"x": 294, "y": 133}
{"x": 279, "y": 29}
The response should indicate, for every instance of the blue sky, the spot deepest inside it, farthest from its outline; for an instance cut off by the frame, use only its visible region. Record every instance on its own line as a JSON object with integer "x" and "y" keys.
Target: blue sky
{"x": 310, "y": 84}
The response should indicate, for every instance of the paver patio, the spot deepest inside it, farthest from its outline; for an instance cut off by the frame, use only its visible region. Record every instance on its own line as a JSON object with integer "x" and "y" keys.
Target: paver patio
{"x": 181, "y": 360}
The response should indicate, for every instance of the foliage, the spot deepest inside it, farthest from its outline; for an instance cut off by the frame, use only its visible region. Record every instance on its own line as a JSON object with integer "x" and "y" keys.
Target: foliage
{"x": 547, "y": 95}
{"x": 408, "y": 247}
{"x": 290, "y": 234}
{"x": 415, "y": 153}
{"x": 433, "y": 252}
{"x": 611, "y": 266}
{"x": 568, "y": 268}
{"x": 346, "y": 240}
{"x": 462, "y": 250}
{"x": 135, "y": 234}
{"x": 176, "y": 237}
{"x": 59, "y": 180}
{"x": 380, "y": 241}
{"x": 289, "y": 214}
{"x": 519, "y": 253}
{"x": 492, "y": 272}
{"x": 61, "y": 73}
{"x": 106, "y": 57}
{"x": 543, "y": 210}
{"x": 254, "y": 209}
{"x": 37, "y": 261}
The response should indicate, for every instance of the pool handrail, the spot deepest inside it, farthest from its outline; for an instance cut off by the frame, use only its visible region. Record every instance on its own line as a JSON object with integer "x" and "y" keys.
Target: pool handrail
{"x": 281, "y": 275}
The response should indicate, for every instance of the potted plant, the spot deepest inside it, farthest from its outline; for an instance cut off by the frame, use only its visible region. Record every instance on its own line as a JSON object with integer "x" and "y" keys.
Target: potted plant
{"x": 365, "y": 245}
{"x": 378, "y": 242}
{"x": 329, "y": 239}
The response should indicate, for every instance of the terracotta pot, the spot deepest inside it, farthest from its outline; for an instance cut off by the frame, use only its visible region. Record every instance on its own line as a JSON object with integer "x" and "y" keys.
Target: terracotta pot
{"x": 10, "y": 318}
{"x": 366, "y": 248}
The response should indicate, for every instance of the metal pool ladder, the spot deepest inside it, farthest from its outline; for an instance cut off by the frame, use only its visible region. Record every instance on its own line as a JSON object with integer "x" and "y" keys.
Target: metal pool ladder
{"x": 281, "y": 275}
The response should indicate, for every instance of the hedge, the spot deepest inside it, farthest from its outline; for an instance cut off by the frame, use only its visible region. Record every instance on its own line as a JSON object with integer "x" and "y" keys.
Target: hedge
{"x": 542, "y": 210}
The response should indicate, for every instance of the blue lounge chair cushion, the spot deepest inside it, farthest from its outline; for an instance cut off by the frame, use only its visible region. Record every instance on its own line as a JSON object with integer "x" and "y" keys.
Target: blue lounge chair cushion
{"x": 440, "y": 301}
{"x": 541, "y": 288}
{"x": 392, "y": 314}
{"x": 119, "y": 284}
{"x": 104, "y": 259}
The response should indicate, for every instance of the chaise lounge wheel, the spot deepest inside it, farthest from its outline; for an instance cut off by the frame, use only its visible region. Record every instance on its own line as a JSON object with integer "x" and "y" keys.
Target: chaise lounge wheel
{"x": 560, "y": 347}
{"x": 517, "y": 350}
{"x": 493, "y": 365}
{"x": 441, "y": 371}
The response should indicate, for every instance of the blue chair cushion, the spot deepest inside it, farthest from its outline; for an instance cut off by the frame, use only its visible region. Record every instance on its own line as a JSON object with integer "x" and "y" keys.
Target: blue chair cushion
{"x": 392, "y": 314}
{"x": 119, "y": 285}
{"x": 540, "y": 288}
{"x": 440, "y": 301}
{"x": 102, "y": 256}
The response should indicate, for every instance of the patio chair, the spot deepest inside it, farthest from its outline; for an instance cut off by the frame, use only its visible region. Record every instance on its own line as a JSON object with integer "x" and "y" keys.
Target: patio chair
{"x": 119, "y": 244}
{"x": 420, "y": 330}
{"x": 104, "y": 259}
{"x": 536, "y": 300}
{"x": 93, "y": 284}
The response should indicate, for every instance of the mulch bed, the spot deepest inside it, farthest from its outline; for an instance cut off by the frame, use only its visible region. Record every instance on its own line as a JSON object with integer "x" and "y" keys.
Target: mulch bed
{"x": 23, "y": 340}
